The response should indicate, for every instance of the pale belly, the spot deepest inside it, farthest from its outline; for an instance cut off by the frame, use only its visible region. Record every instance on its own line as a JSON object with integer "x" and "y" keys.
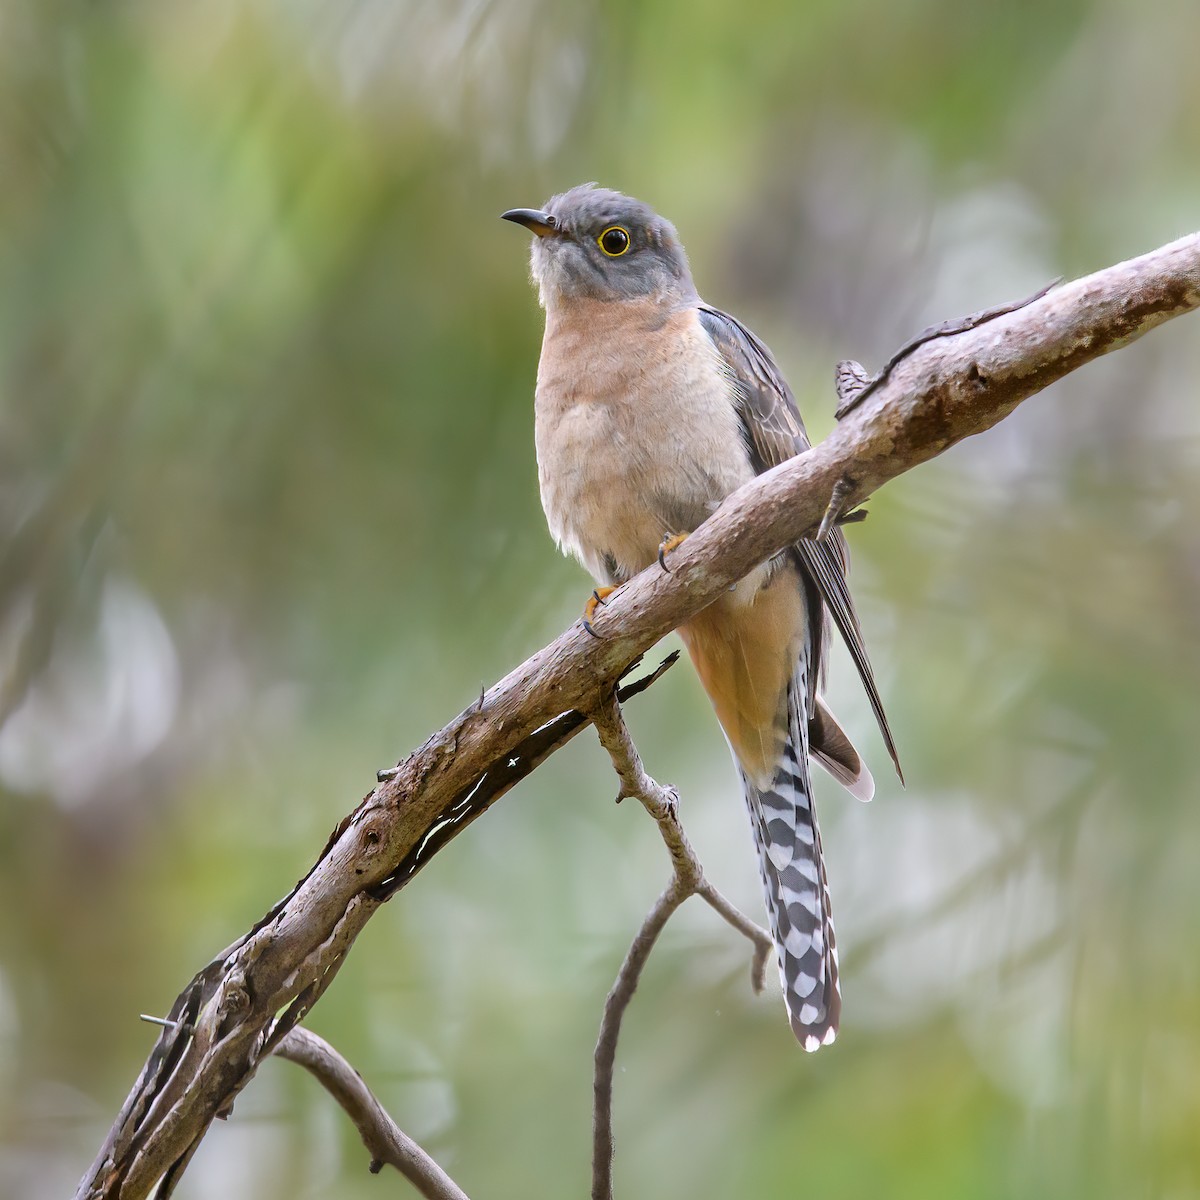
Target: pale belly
{"x": 631, "y": 451}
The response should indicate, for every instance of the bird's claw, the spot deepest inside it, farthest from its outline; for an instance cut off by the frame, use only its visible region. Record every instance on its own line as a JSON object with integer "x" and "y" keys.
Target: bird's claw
{"x": 669, "y": 543}
{"x": 597, "y": 598}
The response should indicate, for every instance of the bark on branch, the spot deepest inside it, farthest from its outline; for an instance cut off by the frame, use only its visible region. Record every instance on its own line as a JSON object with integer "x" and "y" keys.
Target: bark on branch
{"x": 240, "y": 1007}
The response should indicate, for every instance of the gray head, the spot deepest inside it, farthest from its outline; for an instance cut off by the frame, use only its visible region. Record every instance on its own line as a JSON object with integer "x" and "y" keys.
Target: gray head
{"x": 593, "y": 243}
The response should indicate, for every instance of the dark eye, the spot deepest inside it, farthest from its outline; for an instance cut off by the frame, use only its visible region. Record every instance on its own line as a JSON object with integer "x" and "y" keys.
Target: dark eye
{"x": 614, "y": 241}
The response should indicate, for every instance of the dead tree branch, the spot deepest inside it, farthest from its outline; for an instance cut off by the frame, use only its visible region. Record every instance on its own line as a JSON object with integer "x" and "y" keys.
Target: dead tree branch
{"x": 687, "y": 879}
{"x": 240, "y": 1007}
{"x": 386, "y": 1142}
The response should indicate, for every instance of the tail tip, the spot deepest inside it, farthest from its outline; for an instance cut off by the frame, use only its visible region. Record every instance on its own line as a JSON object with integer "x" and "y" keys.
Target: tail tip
{"x": 813, "y": 1037}
{"x": 862, "y": 788}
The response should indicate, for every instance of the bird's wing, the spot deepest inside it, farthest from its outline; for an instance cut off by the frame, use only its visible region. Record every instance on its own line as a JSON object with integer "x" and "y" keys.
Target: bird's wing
{"x": 774, "y": 432}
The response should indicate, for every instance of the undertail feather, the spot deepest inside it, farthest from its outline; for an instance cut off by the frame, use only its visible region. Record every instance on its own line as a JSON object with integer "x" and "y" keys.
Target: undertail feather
{"x": 829, "y": 745}
{"x": 788, "y": 841}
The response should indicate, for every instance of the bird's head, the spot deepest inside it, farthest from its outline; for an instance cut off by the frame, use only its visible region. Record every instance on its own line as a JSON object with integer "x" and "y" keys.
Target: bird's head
{"x": 593, "y": 243}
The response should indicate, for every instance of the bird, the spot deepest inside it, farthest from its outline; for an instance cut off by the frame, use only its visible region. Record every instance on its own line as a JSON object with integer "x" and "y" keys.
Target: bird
{"x": 651, "y": 406}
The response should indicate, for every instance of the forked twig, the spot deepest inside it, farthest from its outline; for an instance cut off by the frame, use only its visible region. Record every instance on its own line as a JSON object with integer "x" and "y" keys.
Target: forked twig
{"x": 662, "y": 803}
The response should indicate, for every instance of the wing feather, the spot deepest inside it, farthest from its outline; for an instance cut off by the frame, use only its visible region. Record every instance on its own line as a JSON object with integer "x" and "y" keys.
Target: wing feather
{"x": 774, "y": 432}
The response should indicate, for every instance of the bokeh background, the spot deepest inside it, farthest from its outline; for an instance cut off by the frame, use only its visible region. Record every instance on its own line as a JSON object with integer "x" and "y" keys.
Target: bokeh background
{"x": 268, "y": 516}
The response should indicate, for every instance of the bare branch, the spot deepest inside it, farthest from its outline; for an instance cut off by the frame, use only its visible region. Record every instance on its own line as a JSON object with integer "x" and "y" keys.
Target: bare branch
{"x": 386, "y": 1142}
{"x": 662, "y": 803}
{"x": 853, "y": 383}
{"x": 946, "y": 389}
{"x": 605, "y": 1056}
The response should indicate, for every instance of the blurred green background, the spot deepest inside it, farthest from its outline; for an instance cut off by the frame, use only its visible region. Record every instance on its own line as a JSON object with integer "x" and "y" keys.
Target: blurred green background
{"x": 269, "y": 516}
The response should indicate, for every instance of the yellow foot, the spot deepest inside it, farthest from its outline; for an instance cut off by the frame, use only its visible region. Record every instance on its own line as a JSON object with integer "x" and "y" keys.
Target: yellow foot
{"x": 669, "y": 543}
{"x": 589, "y": 609}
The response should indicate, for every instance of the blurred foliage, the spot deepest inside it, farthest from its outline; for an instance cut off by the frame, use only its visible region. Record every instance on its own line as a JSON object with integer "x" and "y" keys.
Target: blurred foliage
{"x": 269, "y": 516}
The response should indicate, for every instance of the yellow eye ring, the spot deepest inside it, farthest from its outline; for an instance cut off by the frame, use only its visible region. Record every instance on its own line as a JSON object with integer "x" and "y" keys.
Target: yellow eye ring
{"x": 614, "y": 241}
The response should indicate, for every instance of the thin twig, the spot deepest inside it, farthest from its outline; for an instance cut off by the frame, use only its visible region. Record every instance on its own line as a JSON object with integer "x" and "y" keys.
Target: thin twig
{"x": 662, "y": 803}
{"x": 386, "y": 1142}
{"x": 605, "y": 1057}
{"x": 837, "y": 502}
{"x": 763, "y": 945}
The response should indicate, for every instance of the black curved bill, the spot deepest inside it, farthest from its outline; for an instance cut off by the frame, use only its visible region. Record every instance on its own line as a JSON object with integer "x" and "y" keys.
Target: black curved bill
{"x": 534, "y": 219}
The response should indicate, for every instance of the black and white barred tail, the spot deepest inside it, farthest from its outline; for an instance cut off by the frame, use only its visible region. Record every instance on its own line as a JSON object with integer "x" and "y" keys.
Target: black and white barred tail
{"x": 784, "y": 822}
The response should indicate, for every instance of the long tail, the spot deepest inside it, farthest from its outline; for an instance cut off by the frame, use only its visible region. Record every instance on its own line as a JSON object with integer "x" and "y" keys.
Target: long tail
{"x": 784, "y": 822}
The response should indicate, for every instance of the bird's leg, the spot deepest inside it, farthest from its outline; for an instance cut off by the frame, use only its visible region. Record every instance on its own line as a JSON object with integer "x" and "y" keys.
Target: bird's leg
{"x": 669, "y": 543}
{"x": 589, "y": 609}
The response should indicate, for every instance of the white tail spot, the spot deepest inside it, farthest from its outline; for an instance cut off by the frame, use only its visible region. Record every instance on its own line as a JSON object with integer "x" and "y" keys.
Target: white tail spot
{"x": 804, "y": 985}
{"x": 798, "y": 944}
{"x": 780, "y": 855}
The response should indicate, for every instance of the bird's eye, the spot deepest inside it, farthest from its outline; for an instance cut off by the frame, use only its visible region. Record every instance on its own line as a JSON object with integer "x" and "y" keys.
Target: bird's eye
{"x": 614, "y": 241}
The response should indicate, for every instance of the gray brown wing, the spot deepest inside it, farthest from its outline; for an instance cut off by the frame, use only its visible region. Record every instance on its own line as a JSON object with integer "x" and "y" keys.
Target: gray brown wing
{"x": 774, "y": 432}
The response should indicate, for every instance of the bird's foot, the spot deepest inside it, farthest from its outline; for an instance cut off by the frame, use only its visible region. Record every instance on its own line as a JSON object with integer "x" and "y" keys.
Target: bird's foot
{"x": 670, "y": 542}
{"x": 589, "y": 609}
